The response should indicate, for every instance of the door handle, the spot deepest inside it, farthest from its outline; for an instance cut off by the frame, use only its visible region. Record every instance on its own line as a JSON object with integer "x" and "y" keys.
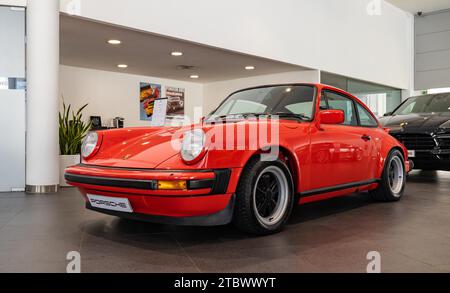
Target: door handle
{"x": 366, "y": 137}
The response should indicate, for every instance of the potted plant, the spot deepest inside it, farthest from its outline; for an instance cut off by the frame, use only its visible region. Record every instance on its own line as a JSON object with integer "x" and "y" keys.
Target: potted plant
{"x": 72, "y": 130}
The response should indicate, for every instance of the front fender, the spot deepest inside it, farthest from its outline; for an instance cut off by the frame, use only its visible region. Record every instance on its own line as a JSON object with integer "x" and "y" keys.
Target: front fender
{"x": 388, "y": 143}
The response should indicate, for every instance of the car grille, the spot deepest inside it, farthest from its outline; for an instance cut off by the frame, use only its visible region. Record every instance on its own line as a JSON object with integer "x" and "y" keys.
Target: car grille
{"x": 443, "y": 141}
{"x": 418, "y": 142}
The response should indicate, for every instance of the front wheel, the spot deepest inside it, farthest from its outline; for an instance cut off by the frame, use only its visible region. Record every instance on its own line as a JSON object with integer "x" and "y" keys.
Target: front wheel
{"x": 264, "y": 197}
{"x": 393, "y": 181}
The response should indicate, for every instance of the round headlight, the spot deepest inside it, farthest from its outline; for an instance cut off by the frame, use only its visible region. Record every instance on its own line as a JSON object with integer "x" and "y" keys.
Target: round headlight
{"x": 193, "y": 145}
{"x": 89, "y": 144}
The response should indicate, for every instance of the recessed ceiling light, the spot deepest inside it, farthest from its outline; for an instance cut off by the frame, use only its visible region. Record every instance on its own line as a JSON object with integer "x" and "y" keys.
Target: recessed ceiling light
{"x": 114, "y": 42}
{"x": 177, "y": 54}
{"x": 194, "y": 76}
{"x": 122, "y": 66}
{"x": 288, "y": 90}
{"x": 249, "y": 67}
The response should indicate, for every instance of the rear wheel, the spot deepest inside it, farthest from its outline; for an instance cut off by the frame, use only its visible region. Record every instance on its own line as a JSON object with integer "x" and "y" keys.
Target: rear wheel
{"x": 264, "y": 197}
{"x": 393, "y": 181}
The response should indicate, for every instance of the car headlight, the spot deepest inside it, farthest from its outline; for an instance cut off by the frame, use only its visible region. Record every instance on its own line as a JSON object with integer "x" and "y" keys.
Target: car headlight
{"x": 89, "y": 145}
{"x": 193, "y": 145}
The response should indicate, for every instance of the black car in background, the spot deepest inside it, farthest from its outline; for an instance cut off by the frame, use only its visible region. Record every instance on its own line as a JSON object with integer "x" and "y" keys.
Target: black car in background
{"x": 422, "y": 124}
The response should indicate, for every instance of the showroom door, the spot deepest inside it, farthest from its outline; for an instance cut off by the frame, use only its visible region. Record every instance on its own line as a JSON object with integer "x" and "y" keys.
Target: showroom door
{"x": 12, "y": 99}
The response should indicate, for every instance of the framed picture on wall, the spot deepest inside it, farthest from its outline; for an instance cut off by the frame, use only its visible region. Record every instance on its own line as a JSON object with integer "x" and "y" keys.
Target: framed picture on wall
{"x": 175, "y": 101}
{"x": 149, "y": 92}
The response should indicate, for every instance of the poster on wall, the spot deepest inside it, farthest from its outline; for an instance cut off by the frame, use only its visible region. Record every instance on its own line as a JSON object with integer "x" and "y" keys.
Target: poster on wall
{"x": 175, "y": 101}
{"x": 149, "y": 92}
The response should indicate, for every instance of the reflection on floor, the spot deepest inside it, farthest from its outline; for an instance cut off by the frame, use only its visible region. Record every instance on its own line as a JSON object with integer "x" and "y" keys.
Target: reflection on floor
{"x": 36, "y": 232}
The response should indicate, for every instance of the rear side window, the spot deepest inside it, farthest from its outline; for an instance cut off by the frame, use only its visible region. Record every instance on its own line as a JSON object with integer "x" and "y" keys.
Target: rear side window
{"x": 334, "y": 101}
{"x": 365, "y": 118}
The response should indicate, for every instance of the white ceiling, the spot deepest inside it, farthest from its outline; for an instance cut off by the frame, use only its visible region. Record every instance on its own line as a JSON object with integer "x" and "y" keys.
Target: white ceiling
{"x": 415, "y": 6}
{"x": 84, "y": 44}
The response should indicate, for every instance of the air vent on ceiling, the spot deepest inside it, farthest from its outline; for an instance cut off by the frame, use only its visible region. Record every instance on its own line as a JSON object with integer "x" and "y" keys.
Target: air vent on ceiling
{"x": 186, "y": 67}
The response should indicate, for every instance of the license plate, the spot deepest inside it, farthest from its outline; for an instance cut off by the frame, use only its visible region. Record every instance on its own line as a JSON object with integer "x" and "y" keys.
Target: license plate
{"x": 110, "y": 203}
{"x": 411, "y": 154}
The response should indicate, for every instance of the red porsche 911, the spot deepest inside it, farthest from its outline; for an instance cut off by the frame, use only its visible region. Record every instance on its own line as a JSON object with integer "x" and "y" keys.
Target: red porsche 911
{"x": 261, "y": 152}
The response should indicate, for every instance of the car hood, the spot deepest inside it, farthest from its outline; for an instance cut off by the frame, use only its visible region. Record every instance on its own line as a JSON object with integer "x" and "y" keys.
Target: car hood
{"x": 136, "y": 147}
{"x": 147, "y": 148}
{"x": 417, "y": 122}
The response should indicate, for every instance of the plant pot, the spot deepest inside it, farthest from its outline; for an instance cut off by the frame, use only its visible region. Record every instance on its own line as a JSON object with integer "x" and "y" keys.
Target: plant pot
{"x": 66, "y": 161}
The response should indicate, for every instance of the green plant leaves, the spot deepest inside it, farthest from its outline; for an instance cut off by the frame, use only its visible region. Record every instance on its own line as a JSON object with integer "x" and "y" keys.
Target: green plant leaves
{"x": 72, "y": 130}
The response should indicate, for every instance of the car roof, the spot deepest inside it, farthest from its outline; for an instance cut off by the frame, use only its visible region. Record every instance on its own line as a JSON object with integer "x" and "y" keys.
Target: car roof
{"x": 431, "y": 95}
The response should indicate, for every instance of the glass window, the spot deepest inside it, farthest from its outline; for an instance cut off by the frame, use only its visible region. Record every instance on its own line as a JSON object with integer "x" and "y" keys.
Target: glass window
{"x": 365, "y": 118}
{"x": 380, "y": 99}
{"x": 242, "y": 106}
{"x": 337, "y": 101}
{"x": 300, "y": 108}
{"x": 439, "y": 103}
{"x": 408, "y": 108}
{"x": 296, "y": 99}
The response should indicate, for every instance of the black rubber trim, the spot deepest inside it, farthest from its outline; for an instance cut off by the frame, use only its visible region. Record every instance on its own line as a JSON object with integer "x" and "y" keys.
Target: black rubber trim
{"x": 411, "y": 165}
{"x": 112, "y": 182}
{"x": 223, "y": 217}
{"x": 338, "y": 188}
{"x": 200, "y": 184}
{"x": 219, "y": 185}
{"x": 222, "y": 181}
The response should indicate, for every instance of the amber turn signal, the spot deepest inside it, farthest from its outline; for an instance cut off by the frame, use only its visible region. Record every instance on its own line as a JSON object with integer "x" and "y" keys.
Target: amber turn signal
{"x": 172, "y": 185}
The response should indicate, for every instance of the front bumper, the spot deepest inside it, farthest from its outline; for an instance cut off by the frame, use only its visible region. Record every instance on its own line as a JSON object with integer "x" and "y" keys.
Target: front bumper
{"x": 431, "y": 163}
{"x": 222, "y": 217}
{"x": 409, "y": 166}
{"x": 207, "y": 200}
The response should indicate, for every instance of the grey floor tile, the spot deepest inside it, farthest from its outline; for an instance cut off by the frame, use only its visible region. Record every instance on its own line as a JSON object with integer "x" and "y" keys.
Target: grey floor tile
{"x": 413, "y": 235}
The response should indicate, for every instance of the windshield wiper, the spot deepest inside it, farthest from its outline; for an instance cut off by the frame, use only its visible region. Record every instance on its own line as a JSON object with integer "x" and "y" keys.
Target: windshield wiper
{"x": 292, "y": 115}
{"x": 248, "y": 115}
{"x": 234, "y": 116}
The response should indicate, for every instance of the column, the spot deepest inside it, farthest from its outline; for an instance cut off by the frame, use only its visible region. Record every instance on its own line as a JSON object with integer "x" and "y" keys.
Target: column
{"x": 42, "y": 151}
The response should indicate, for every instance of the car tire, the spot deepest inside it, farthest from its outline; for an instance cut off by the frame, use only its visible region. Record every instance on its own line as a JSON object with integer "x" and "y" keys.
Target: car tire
{"x": 393, "y": 180}
{"x": 264, "y": 185}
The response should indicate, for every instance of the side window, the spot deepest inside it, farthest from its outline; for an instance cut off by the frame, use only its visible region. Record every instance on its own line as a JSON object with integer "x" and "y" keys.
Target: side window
{"x": 365, "y": 118}
{"x": 336, "y": 101}
{"x": 323, "y": 103}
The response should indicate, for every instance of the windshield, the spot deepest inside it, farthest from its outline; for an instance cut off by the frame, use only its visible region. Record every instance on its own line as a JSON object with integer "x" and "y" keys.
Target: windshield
{"x": 286, "y": 100}
{"x": 425, "y": 104}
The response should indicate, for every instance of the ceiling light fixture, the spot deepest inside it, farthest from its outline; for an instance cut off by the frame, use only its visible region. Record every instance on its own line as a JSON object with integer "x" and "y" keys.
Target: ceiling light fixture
{"x": 122, "y": 66}
{"x": 194, "y": 76}
{"x": 114, "y": 42}
{"x": 249, "y": 67}
{"x": 176, "y": 54}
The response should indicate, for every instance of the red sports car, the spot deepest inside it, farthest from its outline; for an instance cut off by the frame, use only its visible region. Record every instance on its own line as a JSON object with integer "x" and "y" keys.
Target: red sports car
{"x": 262, "y": 151}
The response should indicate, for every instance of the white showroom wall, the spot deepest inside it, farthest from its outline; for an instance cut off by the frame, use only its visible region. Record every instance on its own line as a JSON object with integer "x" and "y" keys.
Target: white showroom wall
{"x": 338, "y": 36}
{"x": 111, "y": 94}
{"x": 216, "y": 92}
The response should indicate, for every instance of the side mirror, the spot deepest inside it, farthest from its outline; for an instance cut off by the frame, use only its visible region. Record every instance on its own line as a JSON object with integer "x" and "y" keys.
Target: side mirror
{"x": 332, "y": 117}
{"x": 387, "y": 114}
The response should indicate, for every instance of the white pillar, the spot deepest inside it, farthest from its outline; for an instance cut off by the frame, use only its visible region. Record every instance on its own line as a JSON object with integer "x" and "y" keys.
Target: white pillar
{"x": 42, "y": 151}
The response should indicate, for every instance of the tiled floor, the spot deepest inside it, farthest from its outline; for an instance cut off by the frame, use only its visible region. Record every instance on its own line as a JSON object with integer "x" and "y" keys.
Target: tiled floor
{"x": 36, "y": 232}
